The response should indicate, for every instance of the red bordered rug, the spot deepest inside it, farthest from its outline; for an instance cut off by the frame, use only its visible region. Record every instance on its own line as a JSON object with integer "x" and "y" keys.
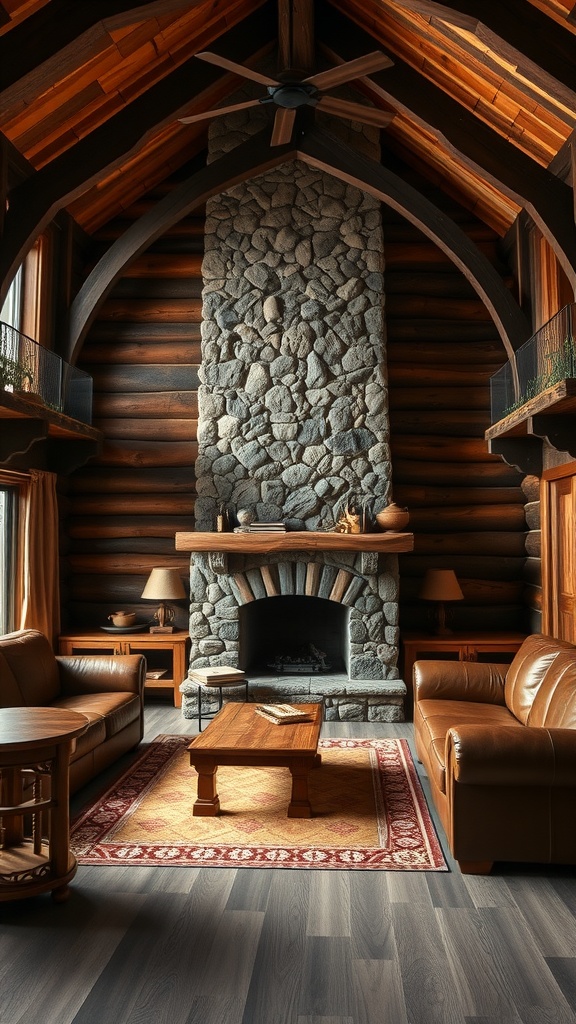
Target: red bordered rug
{"x": 370, "y": 813}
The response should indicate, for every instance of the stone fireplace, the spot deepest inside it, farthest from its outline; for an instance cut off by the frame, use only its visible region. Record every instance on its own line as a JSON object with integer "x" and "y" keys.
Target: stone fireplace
{"x": 293, "y": 425}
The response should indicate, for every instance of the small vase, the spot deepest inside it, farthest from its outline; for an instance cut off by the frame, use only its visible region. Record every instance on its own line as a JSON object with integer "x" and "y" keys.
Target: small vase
{"x": 392, "y": 519}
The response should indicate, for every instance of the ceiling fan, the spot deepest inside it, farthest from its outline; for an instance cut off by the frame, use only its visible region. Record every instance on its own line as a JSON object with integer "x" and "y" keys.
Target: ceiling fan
{"x": 293, "y": 89}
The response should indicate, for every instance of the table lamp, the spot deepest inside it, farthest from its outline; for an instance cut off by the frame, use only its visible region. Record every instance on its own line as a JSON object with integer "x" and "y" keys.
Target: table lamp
{"x": 164, "y": 585}
{"x": 441, "y": 585}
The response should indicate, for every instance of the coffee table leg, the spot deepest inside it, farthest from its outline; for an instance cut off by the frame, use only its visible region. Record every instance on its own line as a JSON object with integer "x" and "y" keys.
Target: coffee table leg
{"x": 208, "y": 803}
{"x": 299, "y": 806}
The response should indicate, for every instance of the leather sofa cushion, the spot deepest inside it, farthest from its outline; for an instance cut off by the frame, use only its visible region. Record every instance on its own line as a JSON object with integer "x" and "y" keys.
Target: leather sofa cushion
{"x": 31, "y": 670}
{"x": 536, "y": 657}
{"x": 117, "y": 710}
{"x": 92, "y": 738}
{"x": 555, "y": 703}
{"x": 436, "y": 717}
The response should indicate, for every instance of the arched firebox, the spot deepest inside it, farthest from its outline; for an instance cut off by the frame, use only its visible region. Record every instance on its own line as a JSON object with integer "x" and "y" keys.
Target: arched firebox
{"x": 293, "y": 635}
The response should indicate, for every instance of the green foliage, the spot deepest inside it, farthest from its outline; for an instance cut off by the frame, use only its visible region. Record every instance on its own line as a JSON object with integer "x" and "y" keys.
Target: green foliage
{"x": 561, "y": 366}
{"x": 14, "y": 375}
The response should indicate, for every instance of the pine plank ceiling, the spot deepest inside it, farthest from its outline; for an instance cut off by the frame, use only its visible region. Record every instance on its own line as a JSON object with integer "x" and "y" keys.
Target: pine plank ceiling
{"x": 481, "y": 94}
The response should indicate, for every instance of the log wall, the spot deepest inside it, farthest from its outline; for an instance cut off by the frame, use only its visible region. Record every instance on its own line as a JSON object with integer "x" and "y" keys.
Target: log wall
{"x": 466, "y": 506}
{"x": 125, "y": 507}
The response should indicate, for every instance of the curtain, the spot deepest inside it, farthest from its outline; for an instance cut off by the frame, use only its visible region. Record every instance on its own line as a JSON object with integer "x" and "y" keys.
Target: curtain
{"x": 40, "y": 581}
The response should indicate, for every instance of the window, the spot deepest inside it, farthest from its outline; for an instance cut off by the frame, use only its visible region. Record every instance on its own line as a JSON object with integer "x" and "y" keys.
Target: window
{"x": 11, "y": 312}
{"x": 8, "y": 546}
{"x": 25, "y": 306}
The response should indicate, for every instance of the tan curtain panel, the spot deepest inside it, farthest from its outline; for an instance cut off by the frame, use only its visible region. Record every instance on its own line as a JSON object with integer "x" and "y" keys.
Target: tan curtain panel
{"x": 40, "y": 581}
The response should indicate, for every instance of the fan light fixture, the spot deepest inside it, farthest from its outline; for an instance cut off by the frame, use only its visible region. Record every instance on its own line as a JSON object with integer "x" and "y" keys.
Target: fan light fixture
{"x": 293, "y": 89}
{"x": 164, "y": 585}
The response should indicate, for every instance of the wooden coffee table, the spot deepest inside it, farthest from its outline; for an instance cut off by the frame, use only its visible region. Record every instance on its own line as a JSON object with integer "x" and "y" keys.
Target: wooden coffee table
{"x": 239, "y": 736}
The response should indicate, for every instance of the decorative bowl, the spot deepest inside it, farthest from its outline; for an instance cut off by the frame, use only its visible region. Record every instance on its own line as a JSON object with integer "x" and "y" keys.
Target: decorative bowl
{"x": 392, "y": 519}
{"x": 122, "y": 619}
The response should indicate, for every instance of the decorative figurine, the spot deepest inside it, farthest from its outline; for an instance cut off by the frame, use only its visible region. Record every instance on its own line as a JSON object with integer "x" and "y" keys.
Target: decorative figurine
{"x": 245, "y": 519}
{"x": 349, "y": 521}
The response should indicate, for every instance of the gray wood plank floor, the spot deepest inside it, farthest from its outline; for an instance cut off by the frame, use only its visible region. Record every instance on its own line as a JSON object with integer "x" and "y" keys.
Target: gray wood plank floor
{"x": 226, "y": 946}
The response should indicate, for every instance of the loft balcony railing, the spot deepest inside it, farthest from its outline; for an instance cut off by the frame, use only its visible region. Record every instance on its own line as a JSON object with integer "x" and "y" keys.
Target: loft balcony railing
{"x": 28, "y": 368}
{"x": 547, "y": 358}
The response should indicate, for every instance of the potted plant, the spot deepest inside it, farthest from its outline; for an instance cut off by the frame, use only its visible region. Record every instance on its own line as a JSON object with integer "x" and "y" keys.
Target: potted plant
{"x": 14, "y": 376}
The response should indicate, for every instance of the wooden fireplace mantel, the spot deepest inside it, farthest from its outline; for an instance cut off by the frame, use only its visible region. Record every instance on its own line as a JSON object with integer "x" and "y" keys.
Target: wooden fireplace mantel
{"x": 295, "y": 540}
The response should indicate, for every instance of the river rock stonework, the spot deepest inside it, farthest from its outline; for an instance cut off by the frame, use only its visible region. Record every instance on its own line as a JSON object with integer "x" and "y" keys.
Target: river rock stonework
{"x": 293, "y": 420}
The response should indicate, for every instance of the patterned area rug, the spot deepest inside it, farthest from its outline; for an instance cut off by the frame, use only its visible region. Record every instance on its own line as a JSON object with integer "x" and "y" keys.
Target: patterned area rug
{"x": 369, "y": 813}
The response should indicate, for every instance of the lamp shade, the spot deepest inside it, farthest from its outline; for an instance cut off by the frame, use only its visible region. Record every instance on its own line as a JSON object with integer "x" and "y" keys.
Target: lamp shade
{"x": 440, "y": 585}
{"x": 164, "y": 585}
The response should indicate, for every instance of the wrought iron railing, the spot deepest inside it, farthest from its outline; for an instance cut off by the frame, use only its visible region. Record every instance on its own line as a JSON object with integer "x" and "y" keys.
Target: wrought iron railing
{"x": 548, "y": 357}
{"x": 27, "y": 367}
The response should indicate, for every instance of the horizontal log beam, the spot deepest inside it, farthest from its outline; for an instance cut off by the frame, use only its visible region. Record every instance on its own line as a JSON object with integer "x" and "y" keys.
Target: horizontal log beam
{"x": 154, "y": 405}
{"x": 419, "y": 495}
{"x": 116, "y": 353}
{"x": 447, "y": 422}
{"x": 442, "y": 449}
{"x": 148, "y": 430}
{"x": 144, "y": 378}
{"x": 467, "y": 566}
{"x": 487, "y": 542}
{"x": 417, "y": 471}
{"x": 134, "y": 481}
{"x": 153, "y": 504}
{"x": 129, "y": 526}
{"x": 466, "y": 518}
{"x": 148, "y": 453}
{"x": 439, "y": 398}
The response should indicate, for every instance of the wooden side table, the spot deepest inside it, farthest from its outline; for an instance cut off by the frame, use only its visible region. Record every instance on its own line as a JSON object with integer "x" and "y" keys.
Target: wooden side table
{"x": 36, "y": 743}
{"x": 496, "y": 647}
{"x": 166, "y": 654}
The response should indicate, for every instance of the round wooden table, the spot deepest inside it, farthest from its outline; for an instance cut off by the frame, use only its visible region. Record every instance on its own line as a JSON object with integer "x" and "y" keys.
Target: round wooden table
{"x": 35, "y": 748}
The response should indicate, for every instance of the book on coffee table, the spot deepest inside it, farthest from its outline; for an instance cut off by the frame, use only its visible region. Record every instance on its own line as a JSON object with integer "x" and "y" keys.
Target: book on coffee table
{"x": 280, "y": 713}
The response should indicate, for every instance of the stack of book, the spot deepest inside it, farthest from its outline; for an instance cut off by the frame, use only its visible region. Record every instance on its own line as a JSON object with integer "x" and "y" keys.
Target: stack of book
{"x": 219, "y": 675}
{"x": 267, "y": 528}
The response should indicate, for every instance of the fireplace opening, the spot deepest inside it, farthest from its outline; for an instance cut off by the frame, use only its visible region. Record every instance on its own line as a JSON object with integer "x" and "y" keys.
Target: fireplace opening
{"x": 293, "y": 635}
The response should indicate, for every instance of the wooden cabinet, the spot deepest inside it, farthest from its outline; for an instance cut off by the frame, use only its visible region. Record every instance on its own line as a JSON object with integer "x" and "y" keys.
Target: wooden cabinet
{"x": 166, "y": 654}
{"x": 493, "y": 647}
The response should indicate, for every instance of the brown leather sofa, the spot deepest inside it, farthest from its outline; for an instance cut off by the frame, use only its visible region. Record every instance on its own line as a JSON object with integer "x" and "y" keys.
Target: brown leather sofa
{"x": 499, "y": 746}
{"x": 107, "y": 689}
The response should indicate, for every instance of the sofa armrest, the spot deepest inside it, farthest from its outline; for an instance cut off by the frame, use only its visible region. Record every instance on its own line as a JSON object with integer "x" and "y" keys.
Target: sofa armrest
{"x": 503, "y": 755}
{"x": 102, "y": 673}
{"x": 460, "y": 680}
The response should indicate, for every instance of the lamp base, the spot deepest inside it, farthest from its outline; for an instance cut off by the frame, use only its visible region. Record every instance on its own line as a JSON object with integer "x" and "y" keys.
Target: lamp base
{"x": 161, "y": 629}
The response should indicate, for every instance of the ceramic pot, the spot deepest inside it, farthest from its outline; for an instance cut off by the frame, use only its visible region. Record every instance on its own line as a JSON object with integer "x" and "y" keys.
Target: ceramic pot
{"x": 122, "y": 619}
{"x": 392, "y": 519}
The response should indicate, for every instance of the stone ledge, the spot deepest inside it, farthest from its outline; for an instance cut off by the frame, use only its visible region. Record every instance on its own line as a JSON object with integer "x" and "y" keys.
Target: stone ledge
{"x": 344, "y": 700}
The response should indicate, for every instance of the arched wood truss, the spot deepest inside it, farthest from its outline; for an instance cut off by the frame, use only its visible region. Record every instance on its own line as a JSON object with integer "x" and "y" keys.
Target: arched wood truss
{"x": 318, "y": 150}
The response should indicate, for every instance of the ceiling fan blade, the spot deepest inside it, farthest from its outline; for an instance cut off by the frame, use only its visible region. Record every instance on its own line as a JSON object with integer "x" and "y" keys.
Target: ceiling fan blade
{"x": 358, "y": 68}
{"x": 219, "y": 110}
{"x": 237, "y": 69}
{"x": 355, "y": 111}
{"x": 283, "y": 125}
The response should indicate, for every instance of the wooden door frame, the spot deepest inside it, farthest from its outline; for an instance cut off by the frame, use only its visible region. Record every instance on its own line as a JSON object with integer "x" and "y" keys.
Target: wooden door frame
{"x": 549, "y": 476}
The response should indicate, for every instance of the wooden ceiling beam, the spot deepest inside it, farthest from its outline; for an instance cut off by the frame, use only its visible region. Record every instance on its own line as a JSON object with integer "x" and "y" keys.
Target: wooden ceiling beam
{"x": 35, "y": 201}
{"x": 253, "y": 157}
{"x": 61, "y": 36}
{"x": 317, "y": 150}
{"x": 520, "y": 33}
{"x": 547, "y": 199}
{"x": 321, "y": 150}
